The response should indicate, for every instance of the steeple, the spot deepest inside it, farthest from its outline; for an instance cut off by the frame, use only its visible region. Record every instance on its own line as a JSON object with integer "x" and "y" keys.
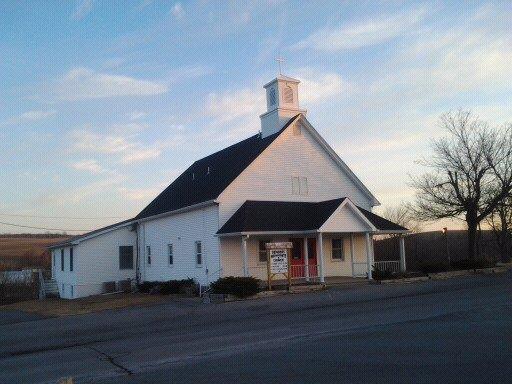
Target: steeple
{"x": 282, "y": 104}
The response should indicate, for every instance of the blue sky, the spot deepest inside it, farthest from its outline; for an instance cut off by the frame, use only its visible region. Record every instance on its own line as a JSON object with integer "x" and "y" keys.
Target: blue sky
{"x": 104, "y": 103}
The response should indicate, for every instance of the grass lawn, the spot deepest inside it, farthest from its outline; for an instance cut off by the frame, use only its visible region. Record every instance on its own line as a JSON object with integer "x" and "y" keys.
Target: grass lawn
{"x": 61, "y": 307}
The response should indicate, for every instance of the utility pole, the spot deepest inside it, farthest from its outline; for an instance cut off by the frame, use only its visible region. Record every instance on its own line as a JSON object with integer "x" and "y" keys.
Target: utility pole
{"x": 447, "y": 249}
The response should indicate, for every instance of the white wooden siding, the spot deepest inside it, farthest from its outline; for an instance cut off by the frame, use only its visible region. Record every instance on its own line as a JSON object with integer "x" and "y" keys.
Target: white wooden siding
{"x": 269, "y": 176}
{"x": 182, "y": 230}
{"x": 95, "y": 261}
{"x": 65, "y": 279}
{"x": 345, "y": 219}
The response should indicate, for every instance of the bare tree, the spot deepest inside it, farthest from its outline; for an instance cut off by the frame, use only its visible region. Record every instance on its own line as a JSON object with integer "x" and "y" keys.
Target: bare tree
{"x": 402, "y": 215}
{"x": 471, "y": 173}
{"x": 500, "y": 222}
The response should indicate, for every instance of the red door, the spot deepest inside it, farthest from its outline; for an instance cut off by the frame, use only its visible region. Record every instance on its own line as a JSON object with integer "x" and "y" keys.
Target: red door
{"x": 297, "y": 258}
{"x": 313, "y": 268}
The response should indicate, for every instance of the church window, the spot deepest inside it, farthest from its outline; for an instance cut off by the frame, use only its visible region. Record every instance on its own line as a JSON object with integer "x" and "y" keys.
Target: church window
{"x": 288, "y": 95}
{"x": 272, "y": 96}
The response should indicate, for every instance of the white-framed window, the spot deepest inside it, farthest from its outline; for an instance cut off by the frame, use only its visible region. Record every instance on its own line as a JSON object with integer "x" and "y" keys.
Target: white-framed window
{"x": 62, "y": 259}
{"x": 300, "y": 186}
{"x": 295, "y": 185}
{"x": 262, "y": 251}
{"x": 148, "y": 253}
{"x": 337, "y": 249}
{"x": 170, "y": 254}
{"x": 125, "y": 257}
{"x": 304, "y": 186}
{"x": 199, "y": 253}
{"x": 71, "y": 259}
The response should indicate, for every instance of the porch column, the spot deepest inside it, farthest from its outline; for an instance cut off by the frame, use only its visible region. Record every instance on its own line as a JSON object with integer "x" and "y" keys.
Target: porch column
{"x": 320, "y": 245}
{"x": 244, "y": 256}
{"x": 352, "y": 252}
{"x": 306, "y": 259}
{"x": 401, "y": 244}
{"x": 369, "y": 255}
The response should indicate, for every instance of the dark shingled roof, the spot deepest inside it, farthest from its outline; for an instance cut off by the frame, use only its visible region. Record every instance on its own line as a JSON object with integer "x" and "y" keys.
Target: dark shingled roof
{"x": 381, "y": 223}
{"x": 273, "y": 216}
{"x": 207, "y": 178}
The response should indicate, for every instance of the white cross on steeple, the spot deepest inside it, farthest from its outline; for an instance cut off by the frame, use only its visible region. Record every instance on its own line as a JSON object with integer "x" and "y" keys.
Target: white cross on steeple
{"x": 280, "y": 60}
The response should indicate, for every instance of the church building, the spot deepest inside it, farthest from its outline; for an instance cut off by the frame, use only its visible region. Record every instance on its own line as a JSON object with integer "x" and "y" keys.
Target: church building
{"x": 284, "y": 183}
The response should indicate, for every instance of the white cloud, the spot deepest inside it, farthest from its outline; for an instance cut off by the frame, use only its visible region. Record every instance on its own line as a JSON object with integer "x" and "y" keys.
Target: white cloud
{"x": 136, "y": 115}
{"x": 87, "y": 141}
{"x": 362, "y": 34}
{"x": 82, "y": 9}
{"x": 317, "y": 86}
{"x": 232, "y": 105}
{"x": 84, "y": 83}
{"x": 125, "y": 147}
{"x": 139, "y": 154}
{"x": 91, "y": 166}
{"x": 178, "y": 11}
{"x": 29, "y": 116}
{"x": 141, "y": 194}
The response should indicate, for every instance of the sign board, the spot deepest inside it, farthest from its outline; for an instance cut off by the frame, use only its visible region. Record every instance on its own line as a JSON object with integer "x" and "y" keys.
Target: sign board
{"x": 281, "y": 245}
{"x": 278, "y": 261}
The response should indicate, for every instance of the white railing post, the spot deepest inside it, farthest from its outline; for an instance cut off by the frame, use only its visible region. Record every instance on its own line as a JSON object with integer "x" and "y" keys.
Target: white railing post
{"x": 244, "y": 256}
{"x": 402, "y": 253}
{"x": 306, "y": 259}
{"x": 352, "y": 252}
{"x": 320, "y": 246}
{"x": 369, "y": 258}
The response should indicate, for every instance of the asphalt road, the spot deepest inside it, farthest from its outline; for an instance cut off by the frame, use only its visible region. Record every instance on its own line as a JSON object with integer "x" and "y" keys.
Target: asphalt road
{"x": 444, "y": 331}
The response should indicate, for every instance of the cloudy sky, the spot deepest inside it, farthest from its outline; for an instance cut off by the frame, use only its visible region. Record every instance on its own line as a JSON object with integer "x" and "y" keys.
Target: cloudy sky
{"x": 104, "y": 103}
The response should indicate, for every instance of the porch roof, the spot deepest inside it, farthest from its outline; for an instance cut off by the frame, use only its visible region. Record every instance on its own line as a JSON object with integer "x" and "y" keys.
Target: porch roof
{"x": 293, "y": 216}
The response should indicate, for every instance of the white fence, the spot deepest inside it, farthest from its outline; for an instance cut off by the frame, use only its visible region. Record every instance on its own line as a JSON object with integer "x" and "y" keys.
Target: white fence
{"x": 393, "y": 266}
{"x": 24, "y": 276}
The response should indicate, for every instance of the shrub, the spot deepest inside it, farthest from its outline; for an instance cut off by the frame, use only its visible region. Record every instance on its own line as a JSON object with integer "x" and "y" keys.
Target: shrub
{"x": 472, "y": 264}
{"x": 434, "y": 267}
{"x": 238, "y": 286}
{"x": 187, "y": 286}
{"x": 176, "y": 286}
{"x": 146, "y": 286}
{"x": 382, "y": 274}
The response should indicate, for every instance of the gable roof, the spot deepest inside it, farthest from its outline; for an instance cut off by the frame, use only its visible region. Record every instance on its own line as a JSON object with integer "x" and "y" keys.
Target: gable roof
{"x": 76, "y": 239}
{"x": 205, "y": 179}
{"x": 292, "y": 216}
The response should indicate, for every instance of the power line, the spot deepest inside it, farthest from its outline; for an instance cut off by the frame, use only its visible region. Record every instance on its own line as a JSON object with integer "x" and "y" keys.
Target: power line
{"x": 46, "y": 229}
{"x": 63, "y": 217}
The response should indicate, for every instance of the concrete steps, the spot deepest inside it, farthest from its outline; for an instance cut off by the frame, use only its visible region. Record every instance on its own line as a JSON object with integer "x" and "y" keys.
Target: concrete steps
{"x": 51, "y": 288}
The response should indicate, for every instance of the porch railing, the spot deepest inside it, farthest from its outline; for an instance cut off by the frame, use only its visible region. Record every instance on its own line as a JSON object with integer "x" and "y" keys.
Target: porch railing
{"x": 392, "y": 266}
{"x": 299, "y": 271}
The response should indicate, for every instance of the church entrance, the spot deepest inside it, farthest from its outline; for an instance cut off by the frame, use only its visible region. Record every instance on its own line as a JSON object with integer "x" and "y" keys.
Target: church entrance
{"x": 300, "y": 268}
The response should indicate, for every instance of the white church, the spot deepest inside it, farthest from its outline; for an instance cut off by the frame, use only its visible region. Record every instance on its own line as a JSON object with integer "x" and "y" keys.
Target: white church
{"x": 285, "y": 183}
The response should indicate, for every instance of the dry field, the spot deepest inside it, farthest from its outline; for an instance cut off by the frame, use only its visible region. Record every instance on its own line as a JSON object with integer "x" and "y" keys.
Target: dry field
{"x": 25, "y": 251}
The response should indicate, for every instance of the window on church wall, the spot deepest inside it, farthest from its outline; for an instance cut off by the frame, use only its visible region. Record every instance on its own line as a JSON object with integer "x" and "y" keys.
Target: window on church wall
{"x": 300, "y": 186}
{"x": 288, "y": 95}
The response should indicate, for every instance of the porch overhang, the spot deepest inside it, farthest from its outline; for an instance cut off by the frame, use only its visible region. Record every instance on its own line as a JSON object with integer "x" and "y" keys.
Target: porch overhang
{"x": 293, "y": 217}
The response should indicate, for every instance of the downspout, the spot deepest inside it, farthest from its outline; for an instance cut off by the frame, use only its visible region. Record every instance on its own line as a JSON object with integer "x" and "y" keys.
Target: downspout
{"x": 137, "y": 256}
